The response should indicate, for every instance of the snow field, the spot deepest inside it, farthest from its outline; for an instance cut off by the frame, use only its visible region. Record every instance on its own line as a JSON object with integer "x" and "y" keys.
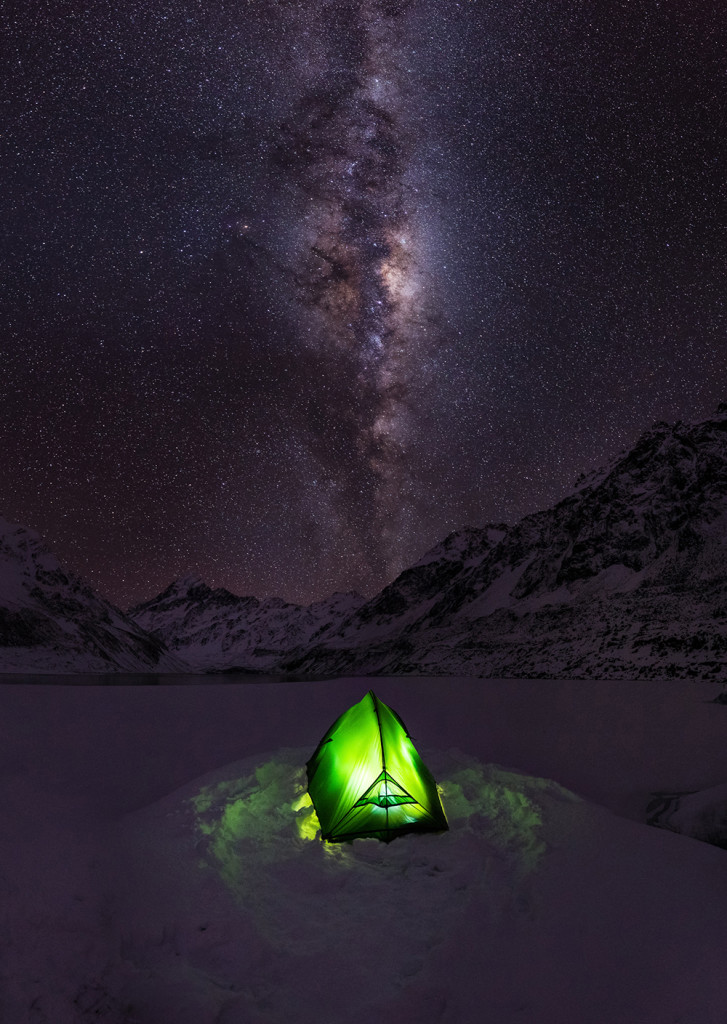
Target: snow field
{"x": 151, "y": 876}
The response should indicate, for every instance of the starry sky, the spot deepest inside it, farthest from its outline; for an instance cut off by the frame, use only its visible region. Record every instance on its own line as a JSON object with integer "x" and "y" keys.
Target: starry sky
{"x": 293, "y": 288}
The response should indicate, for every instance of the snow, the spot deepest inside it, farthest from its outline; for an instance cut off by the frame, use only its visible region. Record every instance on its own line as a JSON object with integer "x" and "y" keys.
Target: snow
{"x": 217, "y": 630}
{"x": 158, "y": 859}
{"x": 623, "y": 578}
{"x": 21, "y": 555}
{"x": 50, "y": 621}
{"x": 702, "y": 815}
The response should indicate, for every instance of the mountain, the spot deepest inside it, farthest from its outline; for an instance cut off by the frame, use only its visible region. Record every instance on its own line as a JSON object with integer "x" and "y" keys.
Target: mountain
{"x": 214, "y": 629}
{"x": 626, "y": 577}
{"x": 50, "y": 621}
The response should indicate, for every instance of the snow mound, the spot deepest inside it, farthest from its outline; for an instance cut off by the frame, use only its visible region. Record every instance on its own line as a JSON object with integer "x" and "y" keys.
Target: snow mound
{"x": 536, "y": 905}
{"x": 701, "y": 814}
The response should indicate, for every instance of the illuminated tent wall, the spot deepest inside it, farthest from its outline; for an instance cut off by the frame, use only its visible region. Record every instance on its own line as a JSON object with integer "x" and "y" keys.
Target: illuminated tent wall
{"x": 366, "y": 778}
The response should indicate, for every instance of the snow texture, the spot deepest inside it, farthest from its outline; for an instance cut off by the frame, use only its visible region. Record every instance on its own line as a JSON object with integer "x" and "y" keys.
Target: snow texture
{"x": 214, "y": 629}
{"x": 148, "y": 876}
{"x": 50, "y": 621}
{"x": 625, "y": 578}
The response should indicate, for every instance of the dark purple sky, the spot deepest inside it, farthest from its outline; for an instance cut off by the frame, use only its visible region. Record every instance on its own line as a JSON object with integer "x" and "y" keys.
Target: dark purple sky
{"x": 292, "y": 290}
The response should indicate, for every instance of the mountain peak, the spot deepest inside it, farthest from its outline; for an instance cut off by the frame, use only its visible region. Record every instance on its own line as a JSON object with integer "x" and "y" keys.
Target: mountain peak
{"x": 186, "y": 584}
{"x": 51, "y": 621}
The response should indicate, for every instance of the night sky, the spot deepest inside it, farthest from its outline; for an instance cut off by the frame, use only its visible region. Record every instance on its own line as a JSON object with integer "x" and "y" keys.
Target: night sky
{"x": 293, "y": 289}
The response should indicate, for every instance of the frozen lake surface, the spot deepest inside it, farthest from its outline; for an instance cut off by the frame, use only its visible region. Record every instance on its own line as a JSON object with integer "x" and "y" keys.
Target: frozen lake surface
{"x": 158, "y": 863}
{"x": 612, "y": 742}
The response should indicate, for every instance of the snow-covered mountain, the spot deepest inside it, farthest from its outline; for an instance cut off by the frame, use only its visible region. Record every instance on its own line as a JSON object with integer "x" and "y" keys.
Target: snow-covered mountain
{"x": 50, "y": 621}
{"x": 214, "y": 629}
{"x": 625, "y": 577}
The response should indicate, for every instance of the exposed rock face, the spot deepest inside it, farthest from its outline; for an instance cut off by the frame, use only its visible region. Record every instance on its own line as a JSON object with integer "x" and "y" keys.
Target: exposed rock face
{"x": 625, "y": 577}
{"x": 50, "y": 621}
{"x": 214, "y": 629}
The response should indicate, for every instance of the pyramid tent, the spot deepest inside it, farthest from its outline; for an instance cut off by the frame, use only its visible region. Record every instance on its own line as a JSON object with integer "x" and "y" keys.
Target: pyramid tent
{"x": 366, "y": 778}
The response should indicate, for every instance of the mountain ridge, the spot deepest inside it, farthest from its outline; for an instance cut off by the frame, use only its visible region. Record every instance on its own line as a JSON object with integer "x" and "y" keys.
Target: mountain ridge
{"x": 51, "y": 621}
{"x": 643, "y": 540}
{"x": 624, "y": 577}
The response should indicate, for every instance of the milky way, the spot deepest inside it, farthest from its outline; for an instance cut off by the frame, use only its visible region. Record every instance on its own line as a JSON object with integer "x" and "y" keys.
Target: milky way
{"x": 358, "y": 252}
{"x": 293, "y": 289}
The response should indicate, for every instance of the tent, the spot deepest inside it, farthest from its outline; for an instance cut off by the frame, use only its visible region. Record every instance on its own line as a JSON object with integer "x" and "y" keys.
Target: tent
{"x": 366, "y": 778}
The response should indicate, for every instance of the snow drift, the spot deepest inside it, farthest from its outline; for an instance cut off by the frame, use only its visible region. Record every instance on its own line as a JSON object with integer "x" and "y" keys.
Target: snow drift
{"x": 150, "y": 875}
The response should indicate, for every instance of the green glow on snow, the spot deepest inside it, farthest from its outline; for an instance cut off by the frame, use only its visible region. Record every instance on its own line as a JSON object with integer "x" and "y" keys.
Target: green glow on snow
{"x": 512, "y": 819}
{"x": 309, "y": 827}
{"x": 251, "y": 827}
{"x": 268, "y": 812}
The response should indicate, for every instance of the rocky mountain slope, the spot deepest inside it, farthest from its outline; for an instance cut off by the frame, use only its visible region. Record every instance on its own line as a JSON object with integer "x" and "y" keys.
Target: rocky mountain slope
{"x": 50, "y": 621}
{"x": 625, "y": 577}
{"x": 214, "y": 629}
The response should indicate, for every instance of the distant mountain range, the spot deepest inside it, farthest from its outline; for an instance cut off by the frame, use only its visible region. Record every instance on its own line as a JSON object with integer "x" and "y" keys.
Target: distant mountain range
{"x": 626, "y": 577}
{"x": 214, "y": 629}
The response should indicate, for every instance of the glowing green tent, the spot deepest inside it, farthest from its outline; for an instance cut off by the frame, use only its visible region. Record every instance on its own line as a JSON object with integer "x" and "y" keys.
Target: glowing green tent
{"x": 366, "y": 778}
